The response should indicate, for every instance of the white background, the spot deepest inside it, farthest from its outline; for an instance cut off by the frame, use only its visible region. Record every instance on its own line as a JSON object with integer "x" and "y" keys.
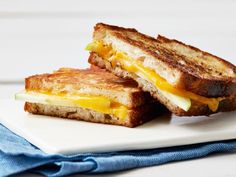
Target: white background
{"x": 41, "y": 36}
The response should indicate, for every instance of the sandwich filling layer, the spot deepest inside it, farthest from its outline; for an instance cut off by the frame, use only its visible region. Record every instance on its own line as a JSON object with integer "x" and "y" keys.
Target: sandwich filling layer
{"x": 96, "y": 103}
{"x": 179, "y": 97}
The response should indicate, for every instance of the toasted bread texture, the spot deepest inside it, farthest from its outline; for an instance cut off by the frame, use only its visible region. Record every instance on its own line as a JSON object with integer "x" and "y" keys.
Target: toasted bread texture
{"x": 89, "y": 81}
{"x": 213, "y": 65}
{"x": 180, "y": 65}
{"x": 134, "y": 117}
{"x": 197, "y": 108}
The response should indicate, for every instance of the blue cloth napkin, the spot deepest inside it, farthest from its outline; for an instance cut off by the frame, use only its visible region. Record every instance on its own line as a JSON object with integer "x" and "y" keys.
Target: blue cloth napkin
{"x": 18, "y": 155}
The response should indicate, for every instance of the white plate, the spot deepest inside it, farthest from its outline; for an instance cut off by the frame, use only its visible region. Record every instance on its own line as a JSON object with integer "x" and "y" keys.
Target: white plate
{"x": 55, "y": 135}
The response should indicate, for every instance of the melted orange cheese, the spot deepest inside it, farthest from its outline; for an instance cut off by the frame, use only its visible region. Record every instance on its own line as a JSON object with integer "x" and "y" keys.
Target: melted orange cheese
{"x": 97, "y": 103}
{"x": 135, "y": 66}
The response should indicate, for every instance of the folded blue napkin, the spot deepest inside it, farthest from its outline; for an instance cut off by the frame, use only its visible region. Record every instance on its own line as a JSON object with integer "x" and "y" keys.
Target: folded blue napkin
{"x": 18, "y": 155}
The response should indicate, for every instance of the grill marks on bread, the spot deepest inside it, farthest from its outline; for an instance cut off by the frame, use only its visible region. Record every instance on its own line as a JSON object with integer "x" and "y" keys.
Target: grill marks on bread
{"x": 206, "y": 80}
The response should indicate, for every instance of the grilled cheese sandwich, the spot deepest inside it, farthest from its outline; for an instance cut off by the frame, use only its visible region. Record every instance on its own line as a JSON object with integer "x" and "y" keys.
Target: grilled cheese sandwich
{"x": 172, "y": 76}
{"x": 91, "y": 95}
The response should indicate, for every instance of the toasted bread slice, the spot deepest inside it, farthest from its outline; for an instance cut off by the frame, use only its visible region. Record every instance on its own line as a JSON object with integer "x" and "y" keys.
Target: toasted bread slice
{"x": 92, "y": 95}
{"x": 209, "y": 76}
{"x": 135, "y": 117}
{"x": 196, "y": 109}
{"x": 216, "y": 67}
{"x": 89, "y": 81}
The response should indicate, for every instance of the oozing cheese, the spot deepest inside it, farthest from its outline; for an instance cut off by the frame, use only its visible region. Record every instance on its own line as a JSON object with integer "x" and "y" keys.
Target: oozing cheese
{"x": 135, "y": 66}
{"x": 97, "y": 103}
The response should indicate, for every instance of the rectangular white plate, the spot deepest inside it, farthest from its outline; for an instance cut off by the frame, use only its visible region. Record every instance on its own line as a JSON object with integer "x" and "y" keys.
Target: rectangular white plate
{"x": 56, "y": 135}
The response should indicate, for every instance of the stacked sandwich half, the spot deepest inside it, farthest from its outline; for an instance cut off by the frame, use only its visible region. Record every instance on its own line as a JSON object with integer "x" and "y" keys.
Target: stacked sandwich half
{"x": 188, "y": 81}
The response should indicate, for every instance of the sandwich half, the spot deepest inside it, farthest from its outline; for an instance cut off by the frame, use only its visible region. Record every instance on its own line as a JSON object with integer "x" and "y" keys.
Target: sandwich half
{"x": 92, "y": 95}
{"x": 188, "y": 81}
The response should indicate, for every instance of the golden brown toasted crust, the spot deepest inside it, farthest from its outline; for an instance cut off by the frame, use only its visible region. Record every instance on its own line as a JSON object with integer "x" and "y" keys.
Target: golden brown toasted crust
{"x": 89, "y": 81}
{"x": 196, "y": 109}
{"x": 81, "y": 78}
{"x": 170, "y": 43}
{"x": 135, "y": 116}
{"x": 205, "y": 81}
{"x": 227, "y": 86}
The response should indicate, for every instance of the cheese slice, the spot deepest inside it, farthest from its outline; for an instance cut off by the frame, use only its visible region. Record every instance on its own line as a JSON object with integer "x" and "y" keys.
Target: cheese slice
{"x": 179, "y": 97}
{"x": 97, "y": 103}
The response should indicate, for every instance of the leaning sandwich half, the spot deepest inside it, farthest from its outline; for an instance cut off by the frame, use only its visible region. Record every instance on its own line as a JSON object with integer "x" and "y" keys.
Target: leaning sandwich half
{"x": 92, "y": 95}
{"x": 188, "y": 82}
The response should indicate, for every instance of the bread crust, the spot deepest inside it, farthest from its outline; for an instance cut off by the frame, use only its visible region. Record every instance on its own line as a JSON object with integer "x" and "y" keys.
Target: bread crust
{"x": 202, "y": 81}
{"x": 89, "y": 81}
{"x": 227, "y": 86}
{"x": 134, "y": 118}
{"x": 196, "y": 109}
